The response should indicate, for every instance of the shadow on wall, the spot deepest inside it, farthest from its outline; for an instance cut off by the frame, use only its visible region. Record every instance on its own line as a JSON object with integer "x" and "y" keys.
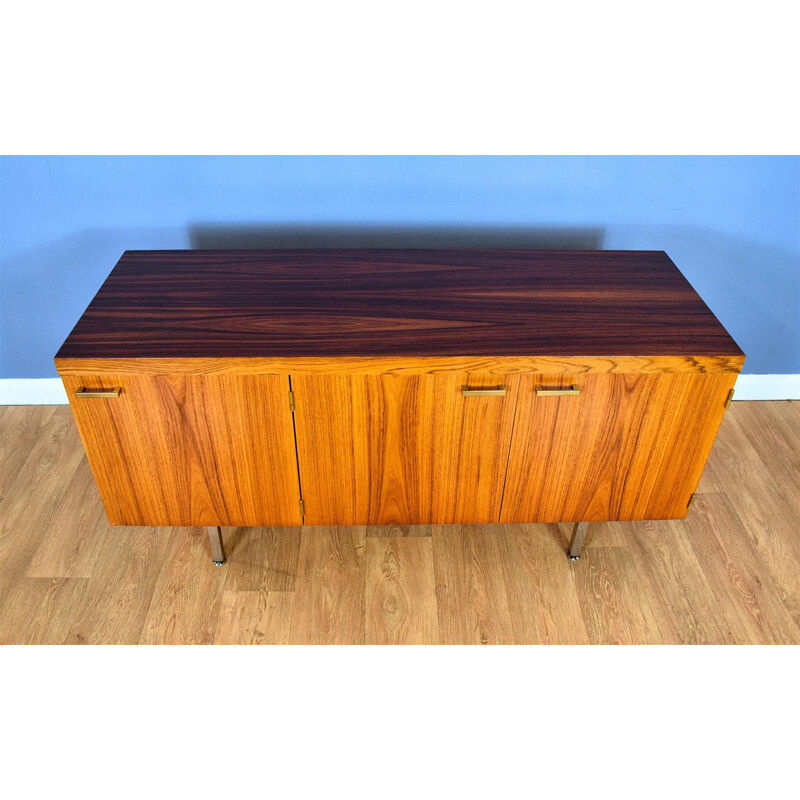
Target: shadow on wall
{"x": 220, "y": 237}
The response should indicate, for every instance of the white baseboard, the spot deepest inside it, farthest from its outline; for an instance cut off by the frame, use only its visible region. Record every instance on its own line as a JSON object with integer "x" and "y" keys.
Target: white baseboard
{"x": 32, "y": 392}
{"x": 50, "y": 391}
{"x": 767, "y": 387}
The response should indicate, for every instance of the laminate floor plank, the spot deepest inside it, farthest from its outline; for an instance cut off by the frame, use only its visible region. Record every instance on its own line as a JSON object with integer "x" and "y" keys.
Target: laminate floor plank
{"x": 764, "y": 506}
{"x": 780, "y": 416}
{"x": 723, "y": 459}
{"x": 330, "y": 593}
{"x": 252, "y": 617}
{"x": 615, "y": 602}
{"x": 20, "y": 429}
{"x": 261, "y": 559}
{"x": 187, "y": 595}
{"x": 599, "y": 534}
{"x": 392, "y": 531}
{"x": 776, "y": 442}
{"x": 358, "y": 535}
{"x": 119, "y": 595}
{"x": 540, "y": 584}
{"x": 744, "y": 589}
{"x": 77, "y": 533}
{"x": 679, "y": 591}
{"x": 40, "y": 610}
{"x": 470, "y": 585}
{"x": 401, "y": 591}
{"x": 787, "y": 411}
{"x": 729, "y": 573}
{"x": 34, "y": 493}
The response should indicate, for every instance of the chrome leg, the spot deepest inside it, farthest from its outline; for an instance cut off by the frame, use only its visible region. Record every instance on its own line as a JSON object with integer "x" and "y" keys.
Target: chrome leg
{"x": 576, "y": 543}
{"x": 215, "y": 539}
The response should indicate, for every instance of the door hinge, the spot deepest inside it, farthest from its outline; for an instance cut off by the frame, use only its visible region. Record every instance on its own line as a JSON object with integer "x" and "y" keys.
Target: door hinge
{"x": 291, "y": 400}
{"x": 729, "y": 398}
{"x": 689, "y": 504}
{"x": 302, "y": 508}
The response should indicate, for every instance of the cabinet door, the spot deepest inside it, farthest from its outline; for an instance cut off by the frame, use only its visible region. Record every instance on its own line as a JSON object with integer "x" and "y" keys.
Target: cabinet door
{"x": 402, "y": 448}
{"x": 626, "y": 447}
{"x": 190, "y": 450}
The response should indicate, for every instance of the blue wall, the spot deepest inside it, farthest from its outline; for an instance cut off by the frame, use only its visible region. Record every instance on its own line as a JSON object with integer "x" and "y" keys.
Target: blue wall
{"x": 732, "y": 224}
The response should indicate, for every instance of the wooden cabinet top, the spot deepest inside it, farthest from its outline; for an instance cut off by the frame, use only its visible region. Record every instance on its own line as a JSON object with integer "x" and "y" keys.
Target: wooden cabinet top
{"x": 409, "y": 303}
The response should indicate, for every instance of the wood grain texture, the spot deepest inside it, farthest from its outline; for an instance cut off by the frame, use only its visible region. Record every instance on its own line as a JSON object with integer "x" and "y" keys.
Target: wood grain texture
{"x": 402, "y": 449}
{"x": 726, "y": 574}
{"x": 330, "y": 598}
{"x": 191, "y": 450}
{"x": 51, "y": 455}
{"x": 398, "y": 365}
{"x": 254, "y": 617}
{"x": 392, "y": 531}
{"x": 326, "y": 303}
{"x": 776, "y": 439}
{"x": 751, "y": 606}
{"x": 542, "y": 597}
{"x": 23, "y": 424}
{"x": 116, "y": 605}
{"x": 185, "y": 603}
{"x": 39, "y": 456}
{"x": 75, "y": 533}
{"x": 616, "y": 606}
{"x": 679, "y": 593}
{"x": 401, "y": 592}
{"x": 761, "y": 489}
{"x": 471, "y": 589}
{"x": 40, "y": 610}
{"x": 262, "y": 559}
{"x": 628, "y": 447}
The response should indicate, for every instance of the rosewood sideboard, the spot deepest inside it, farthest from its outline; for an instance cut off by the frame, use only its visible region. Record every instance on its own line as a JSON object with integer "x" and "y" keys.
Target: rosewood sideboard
{"x": 340, "y": 387}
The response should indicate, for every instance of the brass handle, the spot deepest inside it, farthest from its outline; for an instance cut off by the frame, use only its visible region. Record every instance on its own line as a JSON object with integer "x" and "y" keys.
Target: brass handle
{"x": 84, "y": 392}
{"x": 552, "y": 392}
{"x": 499, "y": 391}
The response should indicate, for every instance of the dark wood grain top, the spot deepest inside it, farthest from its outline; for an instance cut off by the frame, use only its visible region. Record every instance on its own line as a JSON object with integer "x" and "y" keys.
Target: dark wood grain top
{"x": 328, "y": 303}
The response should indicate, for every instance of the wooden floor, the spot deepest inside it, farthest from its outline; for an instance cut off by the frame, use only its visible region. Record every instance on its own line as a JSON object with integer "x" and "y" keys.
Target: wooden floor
{"x": 729, "y": 573}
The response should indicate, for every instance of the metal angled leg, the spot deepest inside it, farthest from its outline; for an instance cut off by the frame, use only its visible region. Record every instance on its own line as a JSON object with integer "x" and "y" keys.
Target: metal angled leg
{"x": 215, "y": 539}
{"x": 576, "y": 543}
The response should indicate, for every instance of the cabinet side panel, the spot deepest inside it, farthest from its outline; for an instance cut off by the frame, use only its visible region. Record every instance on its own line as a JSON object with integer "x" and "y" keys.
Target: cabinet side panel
{"x": 627, "y": 447}
{"x": 190, "y": 450}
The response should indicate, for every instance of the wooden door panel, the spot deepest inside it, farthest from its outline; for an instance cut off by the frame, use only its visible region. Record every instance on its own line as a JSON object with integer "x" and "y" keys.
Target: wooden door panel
{"x": 191, "y": 450}
{"x": 407, "y": 449}
{"x": 629, "y": 446}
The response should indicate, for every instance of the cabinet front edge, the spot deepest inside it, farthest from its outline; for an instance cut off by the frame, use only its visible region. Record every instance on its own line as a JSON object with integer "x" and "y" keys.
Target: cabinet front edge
{"x": 399, "y": 365}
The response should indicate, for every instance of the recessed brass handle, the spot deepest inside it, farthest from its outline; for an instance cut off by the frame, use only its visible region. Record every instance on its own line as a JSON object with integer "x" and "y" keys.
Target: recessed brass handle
{"x": 553, "y": 392}
{"x": 498, "y": 391}
{"x": 84, "y": 392}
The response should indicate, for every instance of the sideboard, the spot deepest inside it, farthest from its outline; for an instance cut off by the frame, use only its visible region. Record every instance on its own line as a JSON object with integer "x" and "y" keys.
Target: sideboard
{"x": 365, "y": 387}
